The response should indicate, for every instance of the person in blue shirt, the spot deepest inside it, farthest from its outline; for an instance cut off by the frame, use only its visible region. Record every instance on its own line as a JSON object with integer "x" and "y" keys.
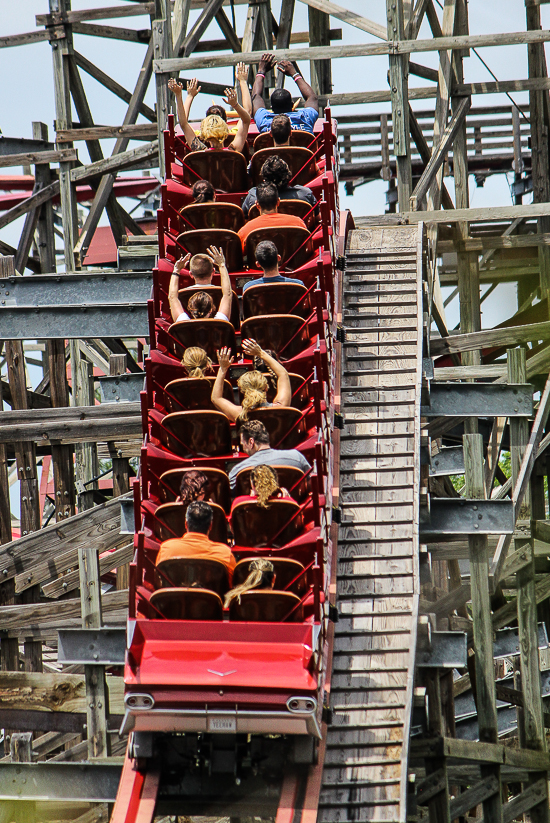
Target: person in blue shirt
{"x": 281, "y": 99}
{"x": 268, "y": 259}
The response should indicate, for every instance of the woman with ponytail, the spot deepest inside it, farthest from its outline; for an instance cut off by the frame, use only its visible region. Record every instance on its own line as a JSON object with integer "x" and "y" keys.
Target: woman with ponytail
{"x": 203, "y": 192}
{"x": 196, "y": 362}
{"x": 253, "y": 384}
{"x": 201, "y": 305}
{"x": 264, "y": 486}
{"x": 195, "y": 485}
{"x": 261, "y": 575}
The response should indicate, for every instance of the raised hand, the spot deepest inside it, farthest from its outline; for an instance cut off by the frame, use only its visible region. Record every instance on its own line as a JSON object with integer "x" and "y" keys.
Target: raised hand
{"x": 231, "y": 98}
{"x": 224, "y": 358}
{"x": 251, "y": 348}
{"x": 182, "y": 263}
{"x": 266, "y": 63}
{"x": 174, "y": 86}
{"x": 242, "y": 71}
{"x": 287, "y": 67}
{"x": 193, "y": 87}
{"x": 216, "y": 256}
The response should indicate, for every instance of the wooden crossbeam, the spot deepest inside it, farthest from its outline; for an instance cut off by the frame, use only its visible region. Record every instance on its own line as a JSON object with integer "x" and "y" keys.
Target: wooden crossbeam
{"x": 32, "y": 202}
{"x": 187, "y": 45}
{"x": 56, "y": 692}
{"x": 111, "y": 84}
{"x": 436, "y": 160}
{"x": 489, "y": 338}
{"x": 359, "y": 50}
{"x": 37, "y": 158}
{"x": 31, "y": 37}
{"x": 112, "y": 32}
{"x": 109, "y": 12}
{"x": 116, "y": 162}
{"x": 476, "y": 794}
{"x": 347, "y": 16}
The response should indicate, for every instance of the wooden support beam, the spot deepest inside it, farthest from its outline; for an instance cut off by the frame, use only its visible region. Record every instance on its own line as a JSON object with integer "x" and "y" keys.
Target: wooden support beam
{"x": 162, "y": 44}
{"x": 319, "y": 35}
{"x": 27, "y": 235}
{"x": 490, "y": 338}
{"x": 63, "y": 468}
{"x": 31, "y": 37}
{"x": 187, "y": 46}
{"x": 359, "y": 50}
{"x": 228, "y": 31}
{"x": 107, "y": 81}
{"x": 105, "y": 13}
{"x": 436, "y": 160}
{"x": 32, "y": 202}
{"x": 400, "y": 105}
{"x": 106, "y": 185}
{"x": 347, "y": 16}
{"x": 425, "y": 153}
{"x": 55, "y": 692}
{"x": 37, "y": 158}
{"x": 112, "y": 32}
{"x": 69, "y": 579}
{"x": 43, "y": 175}
{"x": 141, "y": 131}
{"x": 180, "y": 19}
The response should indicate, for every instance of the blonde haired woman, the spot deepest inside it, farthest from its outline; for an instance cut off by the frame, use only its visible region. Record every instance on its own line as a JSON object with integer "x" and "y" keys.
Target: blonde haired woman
{"x": 196, "y": 362}
{"x": 253, "y": 384}
{"x": 214, "y": 129}
{"x": 261, "y": 575}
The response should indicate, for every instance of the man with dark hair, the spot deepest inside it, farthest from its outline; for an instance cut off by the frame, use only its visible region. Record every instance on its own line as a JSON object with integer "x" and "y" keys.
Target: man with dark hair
{"x": 195, "y": 542}
{"x": 281, "y": 99}
{"x": 268, "y": 259}
{"x": 276, "y": 171}
{"x": 281, "y": 129}
{"x": 268, "y": 203}
{"x": 254, "y": 439}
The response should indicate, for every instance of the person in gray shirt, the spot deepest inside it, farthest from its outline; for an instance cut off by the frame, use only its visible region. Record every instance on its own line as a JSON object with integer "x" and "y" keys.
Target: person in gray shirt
{"x": 255, "y": 443}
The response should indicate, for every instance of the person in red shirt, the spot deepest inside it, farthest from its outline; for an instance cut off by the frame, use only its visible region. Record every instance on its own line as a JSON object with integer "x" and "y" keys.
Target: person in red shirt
{"x": 268, "y": 203}
{"x": 195, "y": 542}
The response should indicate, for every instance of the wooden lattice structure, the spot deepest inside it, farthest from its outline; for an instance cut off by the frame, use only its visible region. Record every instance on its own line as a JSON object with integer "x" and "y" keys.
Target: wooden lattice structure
{"x": 476, "y": 751}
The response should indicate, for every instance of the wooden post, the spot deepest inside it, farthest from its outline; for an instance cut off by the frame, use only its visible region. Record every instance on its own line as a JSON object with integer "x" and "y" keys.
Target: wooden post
{"x": 86, "y": 463}
{"x": 96, "y": 689}
{"x": 319, "y": 35}
{"x": 483, "y": 628}
{"x": 60, "y": 55}
{"x": 46, "y": 236}
{"x": 538, "y": 111}
{"x": 5, "y": 510}
{"x": 162, "y": 44}
{"x": 121, "y": 469}
{"x": 531, "y": 716}
{"x": 398, "y": 76}
{"x": 21, "y": 752}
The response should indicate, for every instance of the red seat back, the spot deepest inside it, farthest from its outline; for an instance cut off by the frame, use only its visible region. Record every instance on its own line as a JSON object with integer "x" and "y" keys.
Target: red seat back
{"x": 198, "y": 240}
{"x": 214, "y": 215}
{"x": 187, "y": 604}
{"x": 255, "y": 526}
{"x": 191, "y": 573}
{"x": 189, "y": 393}
{"x": 290, "y": 478}
{"x": 201, "y": 433}
{"x": 276, "y": 298}
{"x": 226, "y": 170}
{"x": 298, "y": 137}
{"x": 169, "y": 522}
{"x": 291, "y": 241}
{"x": 286, "y": 571}
{"x": 286, "y": 427}
{"x": 299, "y": 159}
{"x": 284, "y": 333}
{"x": 216, "y": 294}
{"x": 267, "y": 606}
{"x": 209, "y": 334}
{"x": 169, "y": 487}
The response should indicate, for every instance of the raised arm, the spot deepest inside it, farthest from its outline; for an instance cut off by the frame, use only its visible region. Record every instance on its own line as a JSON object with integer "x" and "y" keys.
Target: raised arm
{"x": 242, "y": 79}
{"x": 177, "y": 89}
{"x": 284, "y": 390}
{"x": 292, "y": 70}
{"x": 231, "y": 410}
{"x": 266, "y": 63}
{"x": 242, "y": 130}
{"x": 193, "y": 89}
{"x": 176, "y": 309}
{"x": 216, "y": 255}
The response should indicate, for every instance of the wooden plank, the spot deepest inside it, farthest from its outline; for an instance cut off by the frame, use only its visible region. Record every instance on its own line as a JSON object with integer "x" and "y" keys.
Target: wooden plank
{"x": 529, "y": 797}
{"x": 30, "y": 203}
{"x": 143, "y": 131}
{"x": 116, "y": 162}
{"x": 53, "y": 692}
{"x": 360, "y": 50}
{"x": 30, "y": 37}
{"x": 37, "y": 157}
{"x": 482, "y": 244}
{"x": 112, "y": 32}
{"x": 347, "y": 16}
{"x": 187, "y": 46}
{"x": 97, "y": 527}
{"x": 489, "y": 338}
{"x": 109, "y": 12}
{"x": 74, "y": 431}
{"x": 111, "y": 84}
{"x": 473, "y": 796}
{"x": 67, "y": 582}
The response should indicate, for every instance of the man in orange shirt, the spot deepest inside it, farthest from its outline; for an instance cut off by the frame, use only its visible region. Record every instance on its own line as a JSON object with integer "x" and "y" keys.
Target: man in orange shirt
{"x": 268, "y": 203}
{"x": 195, "y": 542}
